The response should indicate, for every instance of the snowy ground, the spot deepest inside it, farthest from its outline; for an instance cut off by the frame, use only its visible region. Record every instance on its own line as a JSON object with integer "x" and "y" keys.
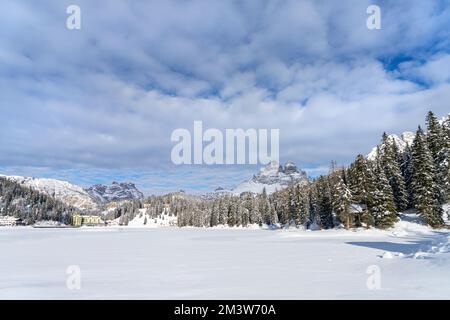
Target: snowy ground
{"x": 188, "y": 263}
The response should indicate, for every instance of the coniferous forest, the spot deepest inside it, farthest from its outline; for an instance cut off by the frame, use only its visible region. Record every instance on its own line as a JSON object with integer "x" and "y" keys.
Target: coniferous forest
{"x": 367, "y": 193}
{"x": 30, "y": 205}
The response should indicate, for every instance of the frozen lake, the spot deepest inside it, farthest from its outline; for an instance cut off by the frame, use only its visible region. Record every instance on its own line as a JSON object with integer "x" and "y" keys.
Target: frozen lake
{"x": 126, "y": 263}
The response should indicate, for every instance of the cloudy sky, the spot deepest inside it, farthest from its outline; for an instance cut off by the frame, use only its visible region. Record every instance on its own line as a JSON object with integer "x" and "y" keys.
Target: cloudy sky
{"x": 100, "y": 103}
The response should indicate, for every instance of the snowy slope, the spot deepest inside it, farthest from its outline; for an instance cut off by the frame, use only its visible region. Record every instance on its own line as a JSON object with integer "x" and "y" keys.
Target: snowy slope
{"x": 406, "y": 139}
{"x": 115, "y": 192}
{"x": 273, "y": 177}
{"x": 143, "y": 220}
{"x": 64, "y": 191}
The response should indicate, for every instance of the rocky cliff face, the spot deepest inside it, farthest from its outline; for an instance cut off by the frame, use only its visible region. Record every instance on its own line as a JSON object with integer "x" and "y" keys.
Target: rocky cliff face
{"x": 115, "y": 192}
{"x": 272, "y": 177}
{"x": 69, "y": 194}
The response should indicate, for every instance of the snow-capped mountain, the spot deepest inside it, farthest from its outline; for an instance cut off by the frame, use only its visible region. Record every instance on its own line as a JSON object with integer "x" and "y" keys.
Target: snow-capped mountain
{"x": 406, "y": 139}
{"x": 115, "y": 192}
{"x": 63, "y": 191}
{"x": 272, "y": 177}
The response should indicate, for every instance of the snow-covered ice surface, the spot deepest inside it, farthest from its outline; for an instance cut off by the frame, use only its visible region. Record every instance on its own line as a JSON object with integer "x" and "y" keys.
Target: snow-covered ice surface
{"x": 190, "y": 263}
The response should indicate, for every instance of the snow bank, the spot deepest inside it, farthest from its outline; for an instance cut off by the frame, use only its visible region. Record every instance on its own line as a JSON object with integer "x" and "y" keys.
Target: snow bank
{"x": 438, "y": 246}
{"x": 144, "y": 220}
{"x": 446, "y": 214}
{"x": 410, "y": 225}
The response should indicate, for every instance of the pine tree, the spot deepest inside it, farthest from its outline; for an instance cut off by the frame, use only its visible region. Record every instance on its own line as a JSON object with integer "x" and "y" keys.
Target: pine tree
{"x": 255, "y": 214}
{"x": 239, "y": 214}
{"x": 362, "y": 186}
{"x": 445, "y": 165}
{"x": 341, "y": 200}
{"x": 303, "y": 205}
{"x": 391, "y": 167}
{"x": 383, "y": 208}
{"x": 424, "y": 186}
{"x": 406, "y": 169}
{"x": 436, "y": 141}
{"x": 362, "y": 181}
{"x": 214, "y": 218}
{"x": 232, "y": 213}
{"x": 292, "y": 206}
{"x": 265, "y": 208}
{"x": 223, "y": 211}
{"x": 313, "y": 205}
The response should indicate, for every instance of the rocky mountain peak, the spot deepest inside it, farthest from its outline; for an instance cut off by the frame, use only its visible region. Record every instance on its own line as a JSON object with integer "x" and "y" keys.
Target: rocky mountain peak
{"x": 272, "y": 177}
{"x": 117, "y": 191}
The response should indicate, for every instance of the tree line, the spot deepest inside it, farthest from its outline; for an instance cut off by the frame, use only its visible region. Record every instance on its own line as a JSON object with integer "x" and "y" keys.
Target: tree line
{"x": 367, "y": 193}
{"x": 30, "y": 205}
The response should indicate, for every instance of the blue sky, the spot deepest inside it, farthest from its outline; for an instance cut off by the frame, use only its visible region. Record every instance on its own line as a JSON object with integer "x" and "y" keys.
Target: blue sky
{"x": 99, "y": 104}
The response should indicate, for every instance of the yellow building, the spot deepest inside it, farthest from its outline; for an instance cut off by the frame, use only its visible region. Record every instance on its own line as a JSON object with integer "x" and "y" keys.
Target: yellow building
{"x": 79, "y": 220}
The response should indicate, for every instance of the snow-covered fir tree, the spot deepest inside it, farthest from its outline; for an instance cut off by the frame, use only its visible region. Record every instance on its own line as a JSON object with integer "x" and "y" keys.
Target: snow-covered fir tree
{"x": 424, "y": 185}
{"x": 324, "y": 209}
{"x": 383, "y": 208}
{"x": 436, "y": 140}
{"x": 406, "y": 169}
{"x": 341, "y": 198}
{"x": 362, "y": 182}
{"x": 388, "y": 161}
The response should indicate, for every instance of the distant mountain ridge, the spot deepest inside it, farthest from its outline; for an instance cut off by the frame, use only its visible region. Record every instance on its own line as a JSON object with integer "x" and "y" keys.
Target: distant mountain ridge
{"x": 90, "y": 199}
{"x": 63, "y": 191}
{"x": 115, "y": 192}
{"x": 272, "y": 177}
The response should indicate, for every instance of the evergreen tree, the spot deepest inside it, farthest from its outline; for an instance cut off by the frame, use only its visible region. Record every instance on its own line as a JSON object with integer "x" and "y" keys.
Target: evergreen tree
{"x": 436, "y": 141}
{"x": 341, "y": 199}
{"x": 406, "y": 169}
{"x": 362, "y": 186}
{"x": 223, "y": 211}
{"x": 324, "y": 205}
{"x": 214, "y": 218}
{"x": 255, "y": 214}
{"x": 362, "y": 182}
{"x": 383, "y": 208}
{"x": 265, "y": 208}
{"x": 424, "y": 186}
{"x": 313, "y": 205}
{"x": 232, "y": 213}
{"x": 389, "y": 162}
{"x": 303, "y": 205}
{"x": 445, "y": 165}
{"x": 291, "y": 206}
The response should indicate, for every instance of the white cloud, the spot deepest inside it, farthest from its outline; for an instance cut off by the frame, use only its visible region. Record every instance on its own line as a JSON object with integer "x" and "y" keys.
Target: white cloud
{"x": 108, "y": 96}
